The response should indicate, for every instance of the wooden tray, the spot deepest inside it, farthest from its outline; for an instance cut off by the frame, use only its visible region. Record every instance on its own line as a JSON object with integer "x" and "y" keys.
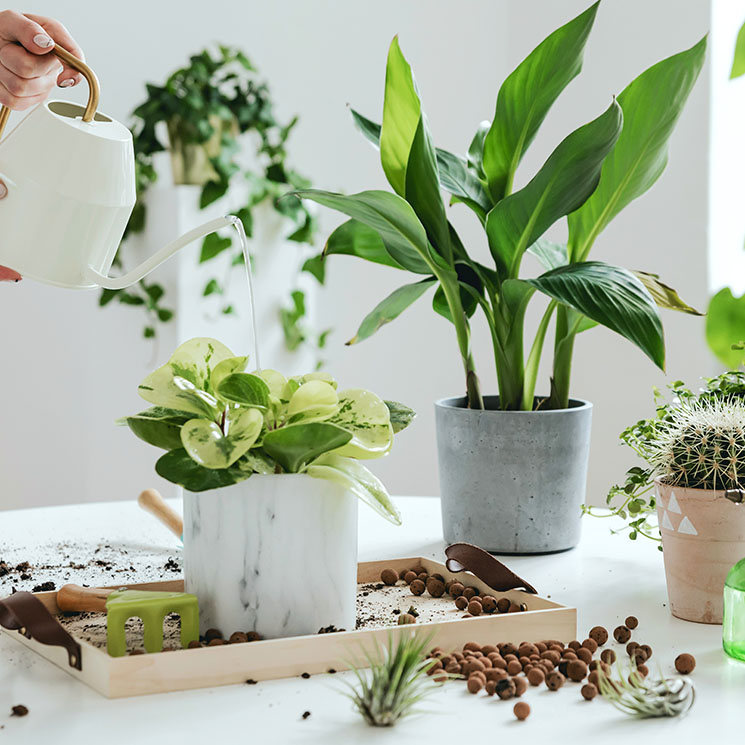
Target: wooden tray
{"x": 136, "y": 675}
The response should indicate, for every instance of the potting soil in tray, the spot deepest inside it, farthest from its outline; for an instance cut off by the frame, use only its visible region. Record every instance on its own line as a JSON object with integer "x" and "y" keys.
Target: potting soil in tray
{"x": 378, "y": 606}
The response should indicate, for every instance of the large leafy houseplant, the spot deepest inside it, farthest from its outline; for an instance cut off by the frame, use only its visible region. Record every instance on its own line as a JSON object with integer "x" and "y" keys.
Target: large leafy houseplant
{"x": 591, "y": 175}
{"x": 207, "y": 115}
{"x": 219, "y": 424}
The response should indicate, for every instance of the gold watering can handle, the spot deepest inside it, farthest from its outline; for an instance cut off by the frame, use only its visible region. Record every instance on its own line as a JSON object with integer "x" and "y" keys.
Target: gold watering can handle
{"x": 88, "y": 74}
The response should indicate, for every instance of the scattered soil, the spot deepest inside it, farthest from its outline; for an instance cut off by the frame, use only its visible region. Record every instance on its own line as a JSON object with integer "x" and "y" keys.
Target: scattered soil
{"x": 19, "y": 711}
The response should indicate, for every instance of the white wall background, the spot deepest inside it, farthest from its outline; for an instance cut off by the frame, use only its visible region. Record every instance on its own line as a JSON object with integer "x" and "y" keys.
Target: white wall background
{"x": 71, "y": 369}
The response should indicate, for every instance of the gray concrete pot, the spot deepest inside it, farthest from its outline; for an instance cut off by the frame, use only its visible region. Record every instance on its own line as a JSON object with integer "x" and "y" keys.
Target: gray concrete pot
{"x": 512, "y": 482}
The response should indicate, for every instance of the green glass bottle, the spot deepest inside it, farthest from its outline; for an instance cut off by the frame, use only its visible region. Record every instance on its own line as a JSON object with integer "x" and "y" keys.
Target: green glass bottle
{"x": 733, "y": 625}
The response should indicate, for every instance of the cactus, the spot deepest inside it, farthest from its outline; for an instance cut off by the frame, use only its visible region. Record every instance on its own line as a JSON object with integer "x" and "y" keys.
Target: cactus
{"x": 702, "y": 445}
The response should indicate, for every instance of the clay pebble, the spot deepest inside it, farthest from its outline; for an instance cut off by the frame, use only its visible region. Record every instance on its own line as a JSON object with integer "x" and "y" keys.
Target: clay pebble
{"x": 685, "y": 663}
{"x": 589, "y": 691}
{"x": 622, "y": 634}
{"x": 632, "y": 622}
{"x": 599, "y": 634}
{"x": 521, "y": 710}
{"x": 435, "y": 587}
{"x": 417, "y": 587}
{"x": 389, "y": 576}
{"x": 554, "y": 680}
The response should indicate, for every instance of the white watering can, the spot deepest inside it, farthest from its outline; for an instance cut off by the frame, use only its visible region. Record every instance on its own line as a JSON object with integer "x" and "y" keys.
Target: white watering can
{"x": 69, "y": 172}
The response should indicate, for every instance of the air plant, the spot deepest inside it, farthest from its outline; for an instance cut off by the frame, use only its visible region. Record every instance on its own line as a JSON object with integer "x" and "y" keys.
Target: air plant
{"x": 634, "y": 695}
{"x": 396, "y": 681}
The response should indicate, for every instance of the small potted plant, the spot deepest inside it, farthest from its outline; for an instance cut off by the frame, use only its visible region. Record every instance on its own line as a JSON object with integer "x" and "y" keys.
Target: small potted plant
{"x": 272, "y": 475}
{"x": 513, "y": 466}
{"x": 694, "y": 480}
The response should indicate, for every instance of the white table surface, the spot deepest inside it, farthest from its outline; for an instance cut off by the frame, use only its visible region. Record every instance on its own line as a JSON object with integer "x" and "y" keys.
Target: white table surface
{"x": 607, "y": 578}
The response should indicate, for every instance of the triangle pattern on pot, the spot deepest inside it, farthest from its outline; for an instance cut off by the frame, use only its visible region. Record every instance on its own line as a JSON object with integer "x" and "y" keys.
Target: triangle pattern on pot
{"x": 686, "y": 526}
{"x": 666, "y": 521}
{"x": 673, "y": 505}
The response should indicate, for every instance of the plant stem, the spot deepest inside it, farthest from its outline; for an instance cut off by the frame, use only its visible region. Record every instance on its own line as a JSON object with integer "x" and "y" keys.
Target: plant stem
{"x": 534, "y": 358}
{"x": 563, "y": 350}
{"x": 463, "y": 333}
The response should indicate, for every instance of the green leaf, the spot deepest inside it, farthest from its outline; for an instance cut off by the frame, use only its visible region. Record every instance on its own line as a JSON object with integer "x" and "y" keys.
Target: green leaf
{"x": 527, "y": 95}
{"x": 367, "y": 418}
{"x": 476, "y": 150}
{"x": 406, "y": 150}
{"x": 244, "y": 389}
{"x": 107, "y": 296}
{"x": 664, "y": 295}
{"x": 392, "y": 307}
{"x": 401, "y": 415}
{"x": 452, "y": 170}
{"x": 209, "y": 446}
{"x": 738, "y": 61}
{"x": 213, "y": 245}
{"x": 164, "y": 315}
{"x": 550, "y": 254}
{"x": 611, "y": 296}
{"x": 212, "y": 287}
{"x": 369, "y": 129}
{"x": 456, "y": 179}
{"x": 178, "y": 468}
{"x": 725, "y": 328}
{"x": 316, "y": 266}
{"x": 563, "y": 183}
{"x": 401, "y": 115}
{"x": 148, "y": 332}
{"x": 226, "y": 367}
{"x": 651, "y": 106}
{"x": 297, "y": 444}
{"x": 158, "y": 426}
{"x": 212, "y": 191}
{"x": 354, "y": 238}
{"x": 390, "y": 216}
{"x": 354, "y": 477}
{"x": 470, "y": 287}
{"x": 184, "y": 381}
{"x": 313, "y": 401}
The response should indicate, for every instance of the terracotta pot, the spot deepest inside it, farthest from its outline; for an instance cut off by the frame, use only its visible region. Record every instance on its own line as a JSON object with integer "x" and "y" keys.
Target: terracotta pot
{"x": 703, "y": 536}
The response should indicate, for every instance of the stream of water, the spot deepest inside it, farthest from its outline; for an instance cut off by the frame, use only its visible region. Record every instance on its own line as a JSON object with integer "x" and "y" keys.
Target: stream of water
{"x": 238, "y": 225}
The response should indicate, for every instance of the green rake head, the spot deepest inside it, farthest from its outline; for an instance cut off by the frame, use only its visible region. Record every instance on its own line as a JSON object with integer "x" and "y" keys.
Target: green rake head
{"x": 121, "y": 605}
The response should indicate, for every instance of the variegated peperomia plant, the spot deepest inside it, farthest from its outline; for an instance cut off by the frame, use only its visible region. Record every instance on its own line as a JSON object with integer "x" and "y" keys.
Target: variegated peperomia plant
{"x": 221, "y": 424}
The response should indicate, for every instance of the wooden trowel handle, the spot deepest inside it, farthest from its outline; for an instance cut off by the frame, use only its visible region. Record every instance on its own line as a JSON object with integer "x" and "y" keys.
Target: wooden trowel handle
{"x": 74, "y": 598}
{"x": 151, "y": 501}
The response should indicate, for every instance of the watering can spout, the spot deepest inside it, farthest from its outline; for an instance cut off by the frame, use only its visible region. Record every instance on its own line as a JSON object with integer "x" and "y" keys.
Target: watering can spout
{"x": 119, "y": 283}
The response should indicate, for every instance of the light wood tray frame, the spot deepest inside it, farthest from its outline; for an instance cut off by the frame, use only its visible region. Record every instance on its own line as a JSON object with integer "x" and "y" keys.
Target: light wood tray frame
{"x": 116, "y": 677}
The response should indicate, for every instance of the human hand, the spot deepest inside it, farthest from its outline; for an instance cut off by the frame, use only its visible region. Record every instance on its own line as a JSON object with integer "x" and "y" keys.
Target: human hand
{"x": 27, "y": 69}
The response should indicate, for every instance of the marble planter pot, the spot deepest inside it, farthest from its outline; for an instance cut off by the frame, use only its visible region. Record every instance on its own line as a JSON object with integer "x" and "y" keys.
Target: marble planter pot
{"x": 703, "y": 537}
{"x": 275, "y": 554}
{"x": 512, "y": 482}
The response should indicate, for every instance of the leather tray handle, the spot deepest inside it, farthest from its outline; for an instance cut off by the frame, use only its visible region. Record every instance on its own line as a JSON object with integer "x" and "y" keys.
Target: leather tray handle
{"x": 467, "y": 557}
{"x": 27, "y": 614}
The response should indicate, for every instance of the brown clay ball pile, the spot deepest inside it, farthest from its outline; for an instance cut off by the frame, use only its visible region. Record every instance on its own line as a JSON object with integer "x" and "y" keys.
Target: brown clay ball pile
{"x": 505, "y": 670}
{"x": 466, "y": 597}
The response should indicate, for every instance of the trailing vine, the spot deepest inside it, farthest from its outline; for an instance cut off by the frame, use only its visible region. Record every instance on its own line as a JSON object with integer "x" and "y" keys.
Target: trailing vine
{"x": 206, "y": 109}
{"x": 634, "y": 500}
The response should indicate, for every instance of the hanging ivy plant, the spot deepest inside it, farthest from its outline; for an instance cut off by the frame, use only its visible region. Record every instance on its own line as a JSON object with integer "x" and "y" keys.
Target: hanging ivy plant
{"x": 206, "y": 108}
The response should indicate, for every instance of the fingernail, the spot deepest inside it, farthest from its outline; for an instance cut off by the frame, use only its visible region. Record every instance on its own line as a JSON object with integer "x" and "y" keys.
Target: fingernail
{"x": 67, "y": 83}
{"x": 43, "y": 41}
{"x": 3, "y": 190}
